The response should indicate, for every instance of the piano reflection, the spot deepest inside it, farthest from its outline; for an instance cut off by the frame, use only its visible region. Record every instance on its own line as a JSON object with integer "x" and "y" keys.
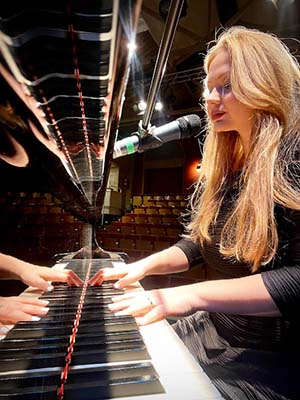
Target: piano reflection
{"x": 68, "y": 62}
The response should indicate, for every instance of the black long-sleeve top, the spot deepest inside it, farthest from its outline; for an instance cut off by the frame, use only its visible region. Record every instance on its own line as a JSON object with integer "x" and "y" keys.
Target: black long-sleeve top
{"x": 281, "y": 278}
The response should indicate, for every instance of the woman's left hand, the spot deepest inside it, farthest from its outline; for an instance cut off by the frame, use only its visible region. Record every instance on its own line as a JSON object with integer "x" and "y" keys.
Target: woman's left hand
{"x": 154, "y": 305}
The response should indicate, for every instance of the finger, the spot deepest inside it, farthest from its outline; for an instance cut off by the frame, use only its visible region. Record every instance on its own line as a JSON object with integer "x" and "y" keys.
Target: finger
{"x": 4, "y": 329}
{"x": 119, "y": 306}
{"x": 97, "y": 279}
{"x": 19, "y": 315}
{"x": 112, "y": 274}
{"x": 73, "y": 279}
{"x": 154, "y": 315}
{"x": 39, "y": 283}
{"x": 125, "y": 296}
{"x": 127, "y": 280}
{"x": 25, "y": 313}
{"x": 68, "y": 276}
{"x": 34, "y": 309}
{"x": 136, "y": 310}
{"x": 35, "y": 302}
{"x": 135, "y": 306}
{"x": 124, "y": 283}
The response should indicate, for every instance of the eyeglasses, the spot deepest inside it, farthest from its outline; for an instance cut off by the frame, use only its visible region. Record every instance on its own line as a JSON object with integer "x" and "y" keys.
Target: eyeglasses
{"x": 222, "y": 90}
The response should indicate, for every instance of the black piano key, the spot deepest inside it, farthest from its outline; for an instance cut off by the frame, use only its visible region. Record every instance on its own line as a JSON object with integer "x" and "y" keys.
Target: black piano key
{"x": 68, "y": 303}
{"x": 33, "y": 362}
{"x": 45, "y": 358}
{"x": 109, "y": 355}
{"x": 19, "y": 351}
{"x": 89, "y": 384}
{"x": 19, "y": 333}
{"x": 135, "y": 386}
{"x": 89, "y": 339}
{"x": 97, "y": 326}
{"x": 18, "y": 381}
{"x": 32, "y": 393}
{"x": 68, "y": 320}
{"x": 60, "y": 315}
{"x": 52, "y": 377}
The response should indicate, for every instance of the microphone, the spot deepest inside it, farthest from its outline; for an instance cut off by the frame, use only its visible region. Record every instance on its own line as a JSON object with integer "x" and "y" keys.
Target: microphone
{"x": 182, "y": 128}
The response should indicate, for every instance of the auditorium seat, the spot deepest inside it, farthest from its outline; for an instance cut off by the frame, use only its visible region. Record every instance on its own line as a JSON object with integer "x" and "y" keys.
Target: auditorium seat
{"x": 144, "y": 245}
{"x": 112, "y": 228}
{"x": 165, "y": 211}
{"x": 176, "y": 211}
{"x": 155, "y": 219}
{"x": 137, "y": 200}
{"x": 127, "y": 244}
{"x": 147, "y": 198}
{"x": 140, "y": 220}
{"x": 161, "y": 203}
{"x": 142, "y": 230}
{"x": 169, "y": 220}
{"x": 126, "y": 218}
{"x": 158, "y": 230}
{"x": 149, "y": 203}
{"x": 161, "y": 244}
{"x": 173, "y": 231}
{"x": 109, "y": 243}
{"x": 139, "y": 210}
{"x": 127, "y": 229}
{"x": 151, "y": 210}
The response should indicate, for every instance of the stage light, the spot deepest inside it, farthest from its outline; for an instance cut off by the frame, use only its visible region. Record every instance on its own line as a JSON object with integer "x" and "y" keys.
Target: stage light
{"x": 159, "y": 106}
{"x": 132, "y": 47}
{"x": 141, "y": 106}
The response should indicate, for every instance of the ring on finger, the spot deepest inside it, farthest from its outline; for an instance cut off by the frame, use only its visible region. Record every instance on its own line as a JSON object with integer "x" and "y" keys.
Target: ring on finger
{"x": 150, "y": 301}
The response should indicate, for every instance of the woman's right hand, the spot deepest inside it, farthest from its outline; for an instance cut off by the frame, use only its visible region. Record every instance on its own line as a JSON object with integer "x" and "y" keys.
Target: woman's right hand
{"x": 170, "y": 260}
{"x": 18, "y": 308}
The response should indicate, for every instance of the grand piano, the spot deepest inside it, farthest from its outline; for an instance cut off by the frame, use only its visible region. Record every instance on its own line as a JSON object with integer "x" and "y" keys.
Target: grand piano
{"x": 68, "y": 64}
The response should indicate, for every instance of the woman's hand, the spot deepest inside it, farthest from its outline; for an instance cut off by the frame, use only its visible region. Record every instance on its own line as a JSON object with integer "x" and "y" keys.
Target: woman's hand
{"x": 171, "y": 260}
{"x": 124, "y": 274}
{"x": 18, "y": 308}
{"x": 35, "y": 275}
{"x": 39, "y": 277}
{"x": 154, "y": 305}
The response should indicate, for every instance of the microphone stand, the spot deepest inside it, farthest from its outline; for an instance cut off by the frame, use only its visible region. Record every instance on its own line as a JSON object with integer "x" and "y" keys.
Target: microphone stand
{"x": 160, "y": 64}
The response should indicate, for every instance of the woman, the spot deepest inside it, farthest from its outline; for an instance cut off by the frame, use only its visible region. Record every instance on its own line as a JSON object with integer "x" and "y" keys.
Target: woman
{"x": 242, "y": 327}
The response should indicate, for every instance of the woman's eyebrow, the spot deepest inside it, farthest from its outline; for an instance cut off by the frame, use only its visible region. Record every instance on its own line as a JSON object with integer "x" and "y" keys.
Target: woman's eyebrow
{"x": 226, "y": 74}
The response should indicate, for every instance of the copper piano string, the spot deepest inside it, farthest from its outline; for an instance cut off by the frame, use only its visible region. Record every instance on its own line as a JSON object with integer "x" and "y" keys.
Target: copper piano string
{"x": 59, "y": 134}
{"x": 79, "y": 88}
{"x": 68, "y": 359}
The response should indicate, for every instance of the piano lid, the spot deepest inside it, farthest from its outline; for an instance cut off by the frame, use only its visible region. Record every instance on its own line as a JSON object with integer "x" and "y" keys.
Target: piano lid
{"x": 68, "y": 62}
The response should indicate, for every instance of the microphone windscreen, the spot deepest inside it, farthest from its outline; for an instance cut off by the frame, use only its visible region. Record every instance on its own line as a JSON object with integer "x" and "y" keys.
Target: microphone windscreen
{"x": 190, "y": 125}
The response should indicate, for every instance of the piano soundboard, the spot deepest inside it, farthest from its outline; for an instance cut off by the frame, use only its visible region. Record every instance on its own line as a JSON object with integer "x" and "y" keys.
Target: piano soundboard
{"x": 82, "y": 351}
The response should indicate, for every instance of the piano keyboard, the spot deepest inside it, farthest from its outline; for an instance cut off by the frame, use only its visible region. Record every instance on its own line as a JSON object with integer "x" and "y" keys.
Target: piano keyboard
{"x": 80, "y": 350}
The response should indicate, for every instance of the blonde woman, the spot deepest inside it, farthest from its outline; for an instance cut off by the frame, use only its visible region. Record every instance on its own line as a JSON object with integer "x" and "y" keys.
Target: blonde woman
{"x": 242, "y": 326}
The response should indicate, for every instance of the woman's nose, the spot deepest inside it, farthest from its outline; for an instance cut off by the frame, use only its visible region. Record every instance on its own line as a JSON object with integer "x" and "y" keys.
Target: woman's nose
{"x": 213, "y": 96}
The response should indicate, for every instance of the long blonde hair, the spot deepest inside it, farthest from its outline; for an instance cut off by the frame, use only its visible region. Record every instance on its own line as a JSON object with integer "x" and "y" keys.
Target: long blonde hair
{"x": 265, "y": 77}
